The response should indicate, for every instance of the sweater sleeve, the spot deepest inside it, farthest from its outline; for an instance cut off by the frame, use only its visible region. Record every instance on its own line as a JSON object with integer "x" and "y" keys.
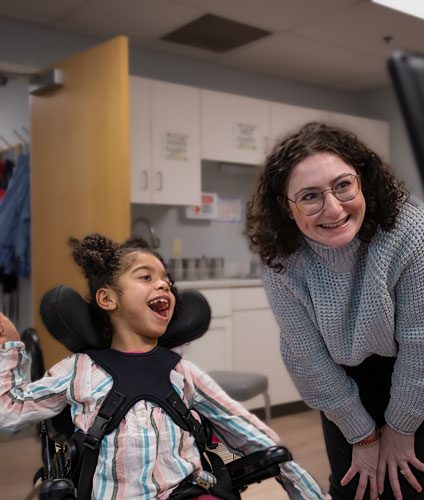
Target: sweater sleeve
{"x": 405, "y": 410}
{"x": 23, "y": 403}
{"x": 321, "y": 382}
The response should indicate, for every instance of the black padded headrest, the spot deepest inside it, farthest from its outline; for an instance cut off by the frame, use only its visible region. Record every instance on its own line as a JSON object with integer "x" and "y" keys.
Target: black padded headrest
{"x": 72, "y": 321}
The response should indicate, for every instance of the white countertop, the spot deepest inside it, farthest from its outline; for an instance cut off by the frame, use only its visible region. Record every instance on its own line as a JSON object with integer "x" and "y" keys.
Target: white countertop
{"x": 219, "y": 283}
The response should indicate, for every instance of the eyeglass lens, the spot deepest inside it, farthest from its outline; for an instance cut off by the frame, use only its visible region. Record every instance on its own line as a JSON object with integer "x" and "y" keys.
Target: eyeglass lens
{"x": 345, "y": 189}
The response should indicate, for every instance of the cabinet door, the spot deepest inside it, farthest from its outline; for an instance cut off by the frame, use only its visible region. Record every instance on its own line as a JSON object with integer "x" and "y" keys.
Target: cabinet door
{"x": 175, "y": 144}
{"x": 256, "y": 349}
{"x": 234, "y": 128}
{"x": 374, "y": 133}
{"x": 286, "y": 119}
{"x": 141, "y": 140}
{"x": 212, "y": 351}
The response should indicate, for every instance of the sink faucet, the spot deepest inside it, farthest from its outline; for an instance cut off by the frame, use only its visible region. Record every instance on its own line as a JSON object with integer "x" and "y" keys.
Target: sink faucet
{"x": 154, "y": 240}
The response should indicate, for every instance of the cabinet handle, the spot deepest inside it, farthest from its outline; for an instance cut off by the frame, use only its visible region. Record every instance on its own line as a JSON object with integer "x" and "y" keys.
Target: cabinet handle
{"x": 265, "y": 144}
{"x": 160, "y": 181}
{"x": 145, "y": 180}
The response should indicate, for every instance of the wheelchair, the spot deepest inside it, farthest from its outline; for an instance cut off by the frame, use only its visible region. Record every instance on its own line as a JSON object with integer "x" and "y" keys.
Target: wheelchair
{"x": 72, "y": 321}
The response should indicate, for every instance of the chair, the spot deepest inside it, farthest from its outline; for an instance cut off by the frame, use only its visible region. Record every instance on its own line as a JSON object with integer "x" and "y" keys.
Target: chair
{"x": 242, "y": 386}
{"x": 70, "y": 320}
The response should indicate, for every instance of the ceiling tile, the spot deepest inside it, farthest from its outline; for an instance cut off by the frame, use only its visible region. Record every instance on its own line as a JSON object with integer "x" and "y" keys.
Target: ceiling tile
{"x": 363, "y": 27}
{"x": 41, "y": 11}
{"x": 143, "y": 19}
{"x": 272, "y": 15}
{"x": 300, "y": 59}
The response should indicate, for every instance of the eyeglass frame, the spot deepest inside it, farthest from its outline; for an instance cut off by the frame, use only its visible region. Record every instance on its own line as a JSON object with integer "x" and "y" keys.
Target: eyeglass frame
{"x": 321, "y": 193}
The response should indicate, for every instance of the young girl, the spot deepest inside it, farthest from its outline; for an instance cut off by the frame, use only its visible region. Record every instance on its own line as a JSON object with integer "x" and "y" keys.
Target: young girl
{"x": 148, "y": 455}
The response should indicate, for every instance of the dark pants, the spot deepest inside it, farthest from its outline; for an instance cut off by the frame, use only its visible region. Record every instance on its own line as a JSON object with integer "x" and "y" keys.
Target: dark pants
{"x": 373, "y": 378}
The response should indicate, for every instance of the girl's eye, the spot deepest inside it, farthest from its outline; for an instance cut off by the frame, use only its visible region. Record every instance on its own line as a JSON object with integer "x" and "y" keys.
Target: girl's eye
{"x": 145, "y": 277}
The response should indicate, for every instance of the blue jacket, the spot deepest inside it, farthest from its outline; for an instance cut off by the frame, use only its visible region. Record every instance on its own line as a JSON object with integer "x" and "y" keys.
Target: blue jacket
{"x": 15, "y": 219}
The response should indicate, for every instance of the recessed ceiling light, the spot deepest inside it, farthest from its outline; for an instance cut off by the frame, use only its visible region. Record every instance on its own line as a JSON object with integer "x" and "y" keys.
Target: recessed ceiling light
{"x": 411, "y": 7}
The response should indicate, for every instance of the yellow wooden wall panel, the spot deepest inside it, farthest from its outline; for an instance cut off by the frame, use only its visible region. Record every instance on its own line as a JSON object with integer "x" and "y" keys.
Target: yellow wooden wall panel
{"x": 80, "y": 168}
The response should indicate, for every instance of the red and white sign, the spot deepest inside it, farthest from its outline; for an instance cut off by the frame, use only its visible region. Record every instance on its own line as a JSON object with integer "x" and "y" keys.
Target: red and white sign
{"x": 207, "y": 210}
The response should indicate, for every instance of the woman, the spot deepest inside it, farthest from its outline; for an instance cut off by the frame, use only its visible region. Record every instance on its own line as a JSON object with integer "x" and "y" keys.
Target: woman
{"x": 343, "y": 255}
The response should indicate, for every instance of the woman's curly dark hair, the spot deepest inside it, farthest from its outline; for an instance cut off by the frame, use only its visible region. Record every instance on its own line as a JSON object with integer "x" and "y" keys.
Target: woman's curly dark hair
{"x": 273, "y": 234}
{"x": 103, "y": 261}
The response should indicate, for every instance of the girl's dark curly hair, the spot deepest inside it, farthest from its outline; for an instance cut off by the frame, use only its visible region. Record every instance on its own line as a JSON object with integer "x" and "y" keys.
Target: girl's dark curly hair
{"x": 103, "y": 261}
{"x": 273, "y": 234}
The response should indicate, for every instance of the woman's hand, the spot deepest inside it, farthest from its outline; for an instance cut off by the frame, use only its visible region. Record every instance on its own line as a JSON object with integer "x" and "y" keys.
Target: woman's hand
{"x": 7, "y": 330}
{"x": 364, "y": 463}
{"x": 396, "y": 453}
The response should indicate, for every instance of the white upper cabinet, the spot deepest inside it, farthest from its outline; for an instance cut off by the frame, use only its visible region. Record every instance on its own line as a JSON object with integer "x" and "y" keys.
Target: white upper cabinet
{"x": 234, "y": 128}
{"x": 286, "y": 119}
{"x": 141, "y": 140}
{"x": 374, "y": 133}
{"x": 165, "y": 138}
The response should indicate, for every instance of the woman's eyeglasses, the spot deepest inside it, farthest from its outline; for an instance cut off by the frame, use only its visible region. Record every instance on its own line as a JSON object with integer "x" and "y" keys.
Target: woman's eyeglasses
{"x": 310, "y": 202}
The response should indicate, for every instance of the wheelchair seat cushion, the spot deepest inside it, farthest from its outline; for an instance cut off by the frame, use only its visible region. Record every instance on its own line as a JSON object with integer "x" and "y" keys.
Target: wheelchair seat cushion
{"x": 72, "y": 321}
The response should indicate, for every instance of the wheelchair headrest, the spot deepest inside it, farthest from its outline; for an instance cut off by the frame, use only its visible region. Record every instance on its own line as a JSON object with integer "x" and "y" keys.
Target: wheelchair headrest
{"x": 72, "y": 321}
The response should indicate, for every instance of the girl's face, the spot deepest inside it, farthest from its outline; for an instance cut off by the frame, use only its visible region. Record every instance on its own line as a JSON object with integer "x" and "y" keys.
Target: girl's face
{"x": 145, "y": 304}
{"x": 337, "y": 223}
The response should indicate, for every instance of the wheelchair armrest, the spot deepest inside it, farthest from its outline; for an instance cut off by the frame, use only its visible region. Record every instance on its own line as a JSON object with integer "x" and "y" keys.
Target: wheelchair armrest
{"x": 257, "y": 466}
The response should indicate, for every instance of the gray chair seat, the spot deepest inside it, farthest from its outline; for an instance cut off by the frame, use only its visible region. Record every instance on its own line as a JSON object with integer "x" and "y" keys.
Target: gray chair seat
{"x": 242, "y": 386}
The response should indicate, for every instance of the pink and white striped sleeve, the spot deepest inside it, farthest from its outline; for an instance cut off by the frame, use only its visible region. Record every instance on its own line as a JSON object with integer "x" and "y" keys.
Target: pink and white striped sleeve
{"x": 23, "y": 403}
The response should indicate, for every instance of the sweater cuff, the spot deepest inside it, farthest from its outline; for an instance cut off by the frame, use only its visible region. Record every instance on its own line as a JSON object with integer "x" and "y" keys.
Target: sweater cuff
{"x": 12, "y": 344}
{"x": 401, "y": 421}
{"x": 355, "y": 425}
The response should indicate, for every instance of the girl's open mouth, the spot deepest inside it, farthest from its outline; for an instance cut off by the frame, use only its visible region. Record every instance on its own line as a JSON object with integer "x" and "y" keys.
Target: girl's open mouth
{"x": 160, "y": 306}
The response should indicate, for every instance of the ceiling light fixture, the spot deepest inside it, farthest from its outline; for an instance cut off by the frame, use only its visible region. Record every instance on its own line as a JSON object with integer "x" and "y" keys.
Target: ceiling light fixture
{"x": 411, "y": 7}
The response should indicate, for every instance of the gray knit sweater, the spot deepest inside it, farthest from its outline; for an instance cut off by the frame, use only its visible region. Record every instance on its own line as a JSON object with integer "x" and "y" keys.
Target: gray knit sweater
{"x": 339, "y": 306}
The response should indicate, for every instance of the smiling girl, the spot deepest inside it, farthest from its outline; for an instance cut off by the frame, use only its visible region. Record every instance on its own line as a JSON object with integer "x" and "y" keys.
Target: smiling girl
{"x": 147, "y": 456}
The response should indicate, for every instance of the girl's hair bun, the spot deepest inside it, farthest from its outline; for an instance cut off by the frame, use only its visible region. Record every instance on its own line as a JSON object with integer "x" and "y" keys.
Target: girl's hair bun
{"x": 95, "y": 254}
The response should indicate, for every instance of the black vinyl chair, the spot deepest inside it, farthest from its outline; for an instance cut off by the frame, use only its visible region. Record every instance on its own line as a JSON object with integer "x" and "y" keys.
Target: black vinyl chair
{"x": 72, "y": 321}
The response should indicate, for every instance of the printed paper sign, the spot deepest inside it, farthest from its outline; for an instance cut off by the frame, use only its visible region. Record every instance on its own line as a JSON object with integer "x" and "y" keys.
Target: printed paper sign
{"x": 176, "y": 146}
{"x": 207, "y": 210}
{"x": 246, "y": 136}
{"x": 230, "y": 209}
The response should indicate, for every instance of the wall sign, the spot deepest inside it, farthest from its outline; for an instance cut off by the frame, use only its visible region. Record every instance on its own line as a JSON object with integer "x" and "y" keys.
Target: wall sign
{"x": 176, "y": 146}
{"x": 230, "y": 209}
{"x": 207, "y": 210}
{"x": 246, "y": 136}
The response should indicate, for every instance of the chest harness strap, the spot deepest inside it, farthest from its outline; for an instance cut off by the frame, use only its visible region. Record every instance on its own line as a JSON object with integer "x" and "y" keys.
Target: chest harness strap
{"x": 135, "y": 377}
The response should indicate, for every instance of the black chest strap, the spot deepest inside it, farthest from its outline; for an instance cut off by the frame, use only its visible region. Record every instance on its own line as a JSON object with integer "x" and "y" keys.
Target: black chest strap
{"x": 135, "y": 377}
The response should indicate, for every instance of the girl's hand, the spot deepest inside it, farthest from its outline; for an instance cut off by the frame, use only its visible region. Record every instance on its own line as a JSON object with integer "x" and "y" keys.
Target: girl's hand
{"x": 7, "y": 330}
{"x": 364, "y": 463}
{"x": 396, "y": 453}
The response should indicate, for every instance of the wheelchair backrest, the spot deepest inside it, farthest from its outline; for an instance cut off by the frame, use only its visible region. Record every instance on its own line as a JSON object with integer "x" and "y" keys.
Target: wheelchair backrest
{"x": 72, "y": 321}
